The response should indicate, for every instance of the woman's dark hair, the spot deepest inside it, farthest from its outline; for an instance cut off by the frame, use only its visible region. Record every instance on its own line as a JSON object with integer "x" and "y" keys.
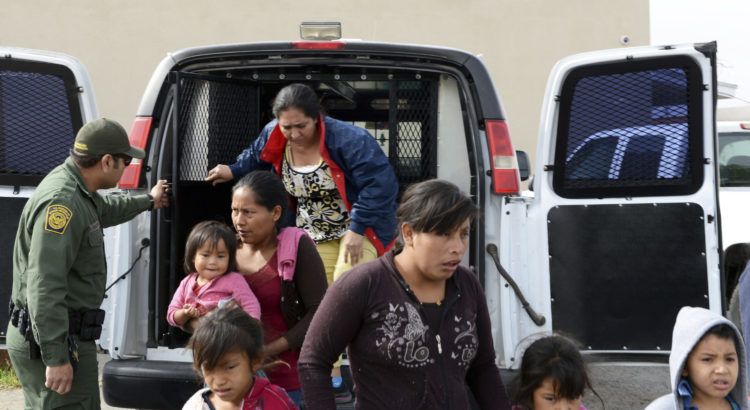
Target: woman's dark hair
{"x": 299, "y": 96}
{"x": 434, "y": 206}
{"x": 226, "y": 329}
{"x": 268, "y": 191}
{"x": 553, "y": 357}
{"x": 210, "y": 232}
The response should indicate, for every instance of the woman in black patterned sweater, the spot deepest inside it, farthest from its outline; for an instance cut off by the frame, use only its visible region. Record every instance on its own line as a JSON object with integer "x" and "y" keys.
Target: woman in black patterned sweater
{"x": 415, "y": 322}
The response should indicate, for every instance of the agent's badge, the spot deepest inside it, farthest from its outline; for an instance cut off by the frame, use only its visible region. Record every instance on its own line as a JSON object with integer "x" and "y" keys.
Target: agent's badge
{"x": 58, "y": 218}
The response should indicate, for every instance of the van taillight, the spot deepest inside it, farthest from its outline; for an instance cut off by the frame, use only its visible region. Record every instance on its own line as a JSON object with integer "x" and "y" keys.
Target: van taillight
{"x": 318, "y": 45}
{"x": 745, "y": 126}
{"x": 138, "y": 138}
{"x": 505, "y": 175}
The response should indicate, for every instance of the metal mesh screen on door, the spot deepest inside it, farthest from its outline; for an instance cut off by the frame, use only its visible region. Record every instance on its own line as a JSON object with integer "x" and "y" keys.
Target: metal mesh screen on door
{"x": 36, "y": 122}
{"x": 628, "y": 130}
{"x": 413, "y": 104}
{"x": 217, "y": 121}
{"x": 408, "y": 132}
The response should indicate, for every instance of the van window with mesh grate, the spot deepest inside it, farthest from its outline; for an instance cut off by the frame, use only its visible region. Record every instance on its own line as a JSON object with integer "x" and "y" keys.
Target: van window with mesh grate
{"x": 37, "y": 120}
{"x": 628, "y": 132}
{"x": 734, "y": 159}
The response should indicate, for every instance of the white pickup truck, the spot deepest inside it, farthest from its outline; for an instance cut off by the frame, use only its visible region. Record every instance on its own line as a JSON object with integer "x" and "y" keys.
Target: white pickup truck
{"x": 622, "y": 228}
{"x": 734, "y": 196}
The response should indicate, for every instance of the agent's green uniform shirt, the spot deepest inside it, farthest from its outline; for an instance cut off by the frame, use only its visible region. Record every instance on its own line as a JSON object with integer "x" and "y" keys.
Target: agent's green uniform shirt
{"x": 58, "y": 258}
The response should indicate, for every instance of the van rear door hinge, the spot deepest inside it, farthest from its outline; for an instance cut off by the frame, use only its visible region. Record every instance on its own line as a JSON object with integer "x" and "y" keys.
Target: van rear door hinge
{"x": 550, "y": 167}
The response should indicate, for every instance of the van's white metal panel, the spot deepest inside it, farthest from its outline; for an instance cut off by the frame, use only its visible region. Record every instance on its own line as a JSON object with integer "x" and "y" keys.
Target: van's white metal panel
{"x": 170, "y": 355}
{"x": 452, "y": 152}
{"x": 8, "y": 191}
{"x": 495, "y": 291}
{"x": 124, "y": 332}
{"x": 546, "y": 198}
{"x": 519, "y": 256}
{"x": 735, "y": 217}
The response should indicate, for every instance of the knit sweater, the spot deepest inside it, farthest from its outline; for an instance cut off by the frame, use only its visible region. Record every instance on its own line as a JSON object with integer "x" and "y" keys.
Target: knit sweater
{"x": 398, "y": 359}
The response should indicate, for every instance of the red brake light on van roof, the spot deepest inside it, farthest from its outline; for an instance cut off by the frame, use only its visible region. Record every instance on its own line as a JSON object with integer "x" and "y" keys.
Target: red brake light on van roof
{"x": 318, "y": 45}
{"x": 138, "y": 138}
{"x": 503, "y": 163}
{"x": 745, "y": 125}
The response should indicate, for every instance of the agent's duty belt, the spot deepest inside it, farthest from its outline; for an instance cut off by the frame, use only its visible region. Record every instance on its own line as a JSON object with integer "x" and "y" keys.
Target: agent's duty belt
{"x": 87, "y": 324}
{"x": 84, "y": 325}
{"x": 20, "y": 318}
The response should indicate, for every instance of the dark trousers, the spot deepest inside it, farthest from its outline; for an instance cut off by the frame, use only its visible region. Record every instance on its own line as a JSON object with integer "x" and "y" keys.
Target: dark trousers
{"x": 85, "y": 391}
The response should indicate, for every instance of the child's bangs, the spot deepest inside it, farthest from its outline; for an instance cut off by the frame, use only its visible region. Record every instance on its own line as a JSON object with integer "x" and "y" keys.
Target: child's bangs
{"x": 211, "y": 240}
{"x": 208, "y": 355}
{"x": 567, "y": 381}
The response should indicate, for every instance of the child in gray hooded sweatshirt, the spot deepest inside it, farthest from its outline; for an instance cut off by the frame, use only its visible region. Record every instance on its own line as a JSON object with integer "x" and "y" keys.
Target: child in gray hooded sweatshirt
{"x": 707, "y": 367}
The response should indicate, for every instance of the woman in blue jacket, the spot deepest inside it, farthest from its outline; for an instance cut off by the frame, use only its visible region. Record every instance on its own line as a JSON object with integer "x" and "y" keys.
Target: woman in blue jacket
{"x": 344, "y": 186}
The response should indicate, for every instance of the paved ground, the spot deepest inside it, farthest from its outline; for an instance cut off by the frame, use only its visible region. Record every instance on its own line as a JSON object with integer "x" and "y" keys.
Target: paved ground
{"x": 622, "y": 386}
{"x": 626, "y": 386}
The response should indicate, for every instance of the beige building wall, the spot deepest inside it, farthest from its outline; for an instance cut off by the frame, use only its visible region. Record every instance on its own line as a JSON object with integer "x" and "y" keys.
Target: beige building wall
{"x": 121, "y": 42}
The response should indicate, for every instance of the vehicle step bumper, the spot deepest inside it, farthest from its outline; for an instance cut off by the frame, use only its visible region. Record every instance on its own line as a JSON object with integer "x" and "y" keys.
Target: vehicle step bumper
{"x": 149, "y": 384}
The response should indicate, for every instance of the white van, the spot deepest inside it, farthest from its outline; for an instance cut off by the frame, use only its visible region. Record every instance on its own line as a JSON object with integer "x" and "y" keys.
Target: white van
{"x": 45, "y": 98}
{"x": 607, "y": 258}
{"x": 734, "y": 196}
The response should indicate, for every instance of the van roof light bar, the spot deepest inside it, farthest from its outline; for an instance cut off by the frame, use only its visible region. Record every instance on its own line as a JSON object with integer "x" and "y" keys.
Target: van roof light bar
{"x": 320, "y": 31}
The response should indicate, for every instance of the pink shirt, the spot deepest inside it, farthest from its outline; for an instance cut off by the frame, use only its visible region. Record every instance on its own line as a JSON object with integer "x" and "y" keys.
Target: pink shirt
{"x": 207, "y": 297}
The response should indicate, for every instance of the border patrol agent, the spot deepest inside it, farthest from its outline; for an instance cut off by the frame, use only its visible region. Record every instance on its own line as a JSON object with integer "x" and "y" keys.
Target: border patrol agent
{"x": 59, "y": 268}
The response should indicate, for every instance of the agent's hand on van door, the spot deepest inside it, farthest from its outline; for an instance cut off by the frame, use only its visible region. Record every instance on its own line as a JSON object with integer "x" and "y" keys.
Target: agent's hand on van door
{"x": 160, "y": 192}
{"x": 59, "y": 378}
{"x": 220, "y": 173}
{"x": 352, "y": 243}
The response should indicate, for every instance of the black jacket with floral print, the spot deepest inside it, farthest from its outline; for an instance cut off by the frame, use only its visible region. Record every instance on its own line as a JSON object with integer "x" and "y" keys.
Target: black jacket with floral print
{"x": 397, "y": 360}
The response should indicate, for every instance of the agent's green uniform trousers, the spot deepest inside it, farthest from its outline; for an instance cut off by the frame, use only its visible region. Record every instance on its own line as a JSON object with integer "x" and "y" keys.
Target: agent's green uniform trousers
{"x": 84, "y": 393}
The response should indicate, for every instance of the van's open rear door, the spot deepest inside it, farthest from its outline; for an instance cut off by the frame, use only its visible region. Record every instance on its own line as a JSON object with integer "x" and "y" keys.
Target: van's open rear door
{"x": 44, "y": 99}
{"x": 626, "y": 188}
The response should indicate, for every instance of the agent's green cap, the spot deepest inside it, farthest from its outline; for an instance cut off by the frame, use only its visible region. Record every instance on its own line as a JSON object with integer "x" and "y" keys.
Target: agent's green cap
{"x": 105, "y": 136}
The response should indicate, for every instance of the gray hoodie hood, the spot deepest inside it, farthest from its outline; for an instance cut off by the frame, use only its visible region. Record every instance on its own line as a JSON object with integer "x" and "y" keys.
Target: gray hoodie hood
{"x": 691, "y": 324}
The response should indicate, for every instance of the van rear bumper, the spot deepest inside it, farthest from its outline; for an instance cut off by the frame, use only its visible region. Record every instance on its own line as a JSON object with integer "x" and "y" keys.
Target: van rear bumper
{"x": 148, "y": 384}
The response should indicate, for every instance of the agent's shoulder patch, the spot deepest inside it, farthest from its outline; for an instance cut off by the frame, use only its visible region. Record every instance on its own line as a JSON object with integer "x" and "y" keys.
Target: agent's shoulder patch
{"x": 58, "y": 218}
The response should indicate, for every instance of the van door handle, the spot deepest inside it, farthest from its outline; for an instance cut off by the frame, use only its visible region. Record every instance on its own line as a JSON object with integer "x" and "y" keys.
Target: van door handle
{"x": 538, "y": 319}
{"x": 166, "y": 213}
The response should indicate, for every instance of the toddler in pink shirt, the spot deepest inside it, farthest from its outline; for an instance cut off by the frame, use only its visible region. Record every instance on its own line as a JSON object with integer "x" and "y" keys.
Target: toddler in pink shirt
{"x": 210, "y": 258}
